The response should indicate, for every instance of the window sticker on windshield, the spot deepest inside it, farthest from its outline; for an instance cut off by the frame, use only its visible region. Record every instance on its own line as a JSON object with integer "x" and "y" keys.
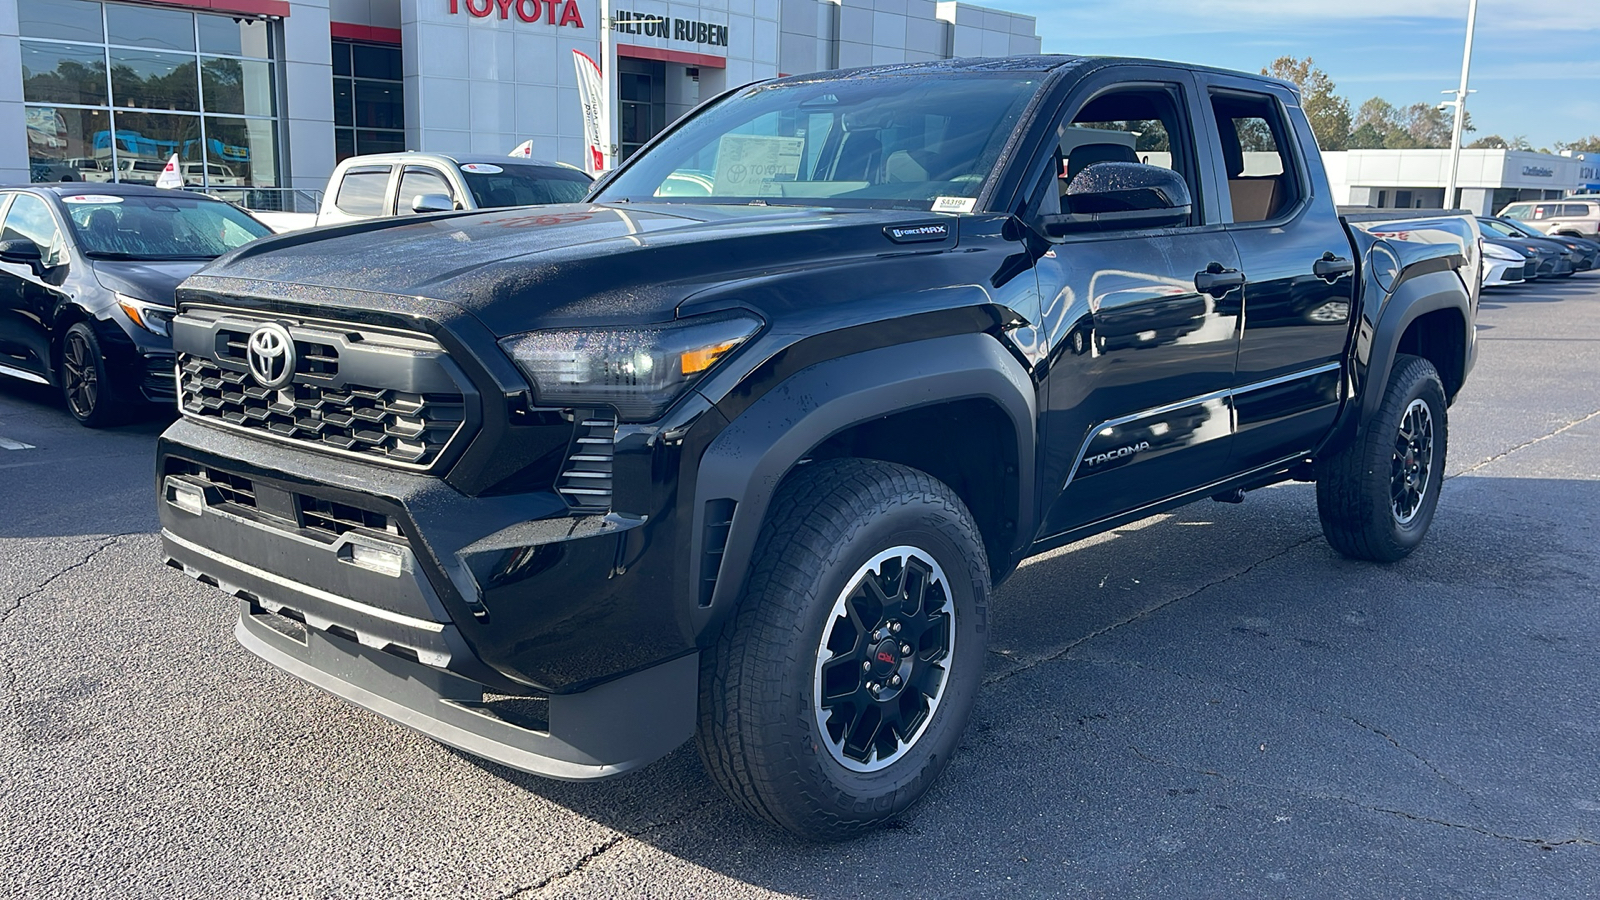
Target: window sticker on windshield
{"x": 482, "y": 169}
{"x": 955, "y": 204}
{"x": 751, "y": 165}
{"x": 91, "y": 198}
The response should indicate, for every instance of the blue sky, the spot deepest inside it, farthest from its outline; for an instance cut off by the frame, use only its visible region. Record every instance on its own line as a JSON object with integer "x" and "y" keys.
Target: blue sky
{"x": 1535, "y": 66}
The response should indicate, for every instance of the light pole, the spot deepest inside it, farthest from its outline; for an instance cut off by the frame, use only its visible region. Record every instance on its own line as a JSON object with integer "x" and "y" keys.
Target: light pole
{"x": 1460, "y": 103}
{"x": 608, "y": 89}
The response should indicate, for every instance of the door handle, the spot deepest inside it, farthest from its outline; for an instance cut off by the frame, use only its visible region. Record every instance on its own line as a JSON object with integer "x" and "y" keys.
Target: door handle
{"x": 1218, "y": 280}
{"x": 1330, "y": 268}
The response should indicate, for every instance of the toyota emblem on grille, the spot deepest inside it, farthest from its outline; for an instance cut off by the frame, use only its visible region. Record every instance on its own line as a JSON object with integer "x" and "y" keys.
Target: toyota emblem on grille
{"x": 270, "y": 352}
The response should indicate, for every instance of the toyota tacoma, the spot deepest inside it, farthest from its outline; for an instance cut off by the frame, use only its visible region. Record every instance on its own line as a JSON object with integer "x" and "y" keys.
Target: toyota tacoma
{"x": 738, "y": 449}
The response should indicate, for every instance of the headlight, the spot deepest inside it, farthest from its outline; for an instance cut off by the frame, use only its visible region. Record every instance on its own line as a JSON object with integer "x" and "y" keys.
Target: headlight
{"x": 638, "y": 370}
{"x": 152, "y": 317}
{"x": 1496, "y": 251}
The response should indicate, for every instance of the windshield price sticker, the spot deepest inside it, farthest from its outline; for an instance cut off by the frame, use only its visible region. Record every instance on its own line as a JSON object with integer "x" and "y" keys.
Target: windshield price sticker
{"x": 91, "y": 198}
{"x": 482, "y": 169}
{"x": 955, "y": 204}
{"x": 750, "y": 165}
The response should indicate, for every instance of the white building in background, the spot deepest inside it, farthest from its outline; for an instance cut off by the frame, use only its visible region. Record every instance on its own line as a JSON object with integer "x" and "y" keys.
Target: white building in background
{"x": 273, "y": 93}
{"x": 1486, "y": 181}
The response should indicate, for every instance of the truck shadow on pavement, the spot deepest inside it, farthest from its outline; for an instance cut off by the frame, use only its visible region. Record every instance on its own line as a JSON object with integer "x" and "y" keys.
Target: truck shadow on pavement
{"x": 1215, "y": 701}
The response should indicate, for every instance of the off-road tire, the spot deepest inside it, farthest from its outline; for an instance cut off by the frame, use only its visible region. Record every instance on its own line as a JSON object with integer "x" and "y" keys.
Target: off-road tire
{"x": 87, "y": 389}
{"x": 1356, "y": 486}
{"x": 759, "y": 734}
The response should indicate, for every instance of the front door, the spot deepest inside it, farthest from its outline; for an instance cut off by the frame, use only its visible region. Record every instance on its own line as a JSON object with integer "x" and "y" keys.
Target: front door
{"x": 26, "y": 298}
{"x": 1142, "y": 324}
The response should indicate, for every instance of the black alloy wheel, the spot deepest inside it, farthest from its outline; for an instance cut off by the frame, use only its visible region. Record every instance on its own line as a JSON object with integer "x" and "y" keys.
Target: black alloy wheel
{"x": 1377, "y": 496}
{"x": 840, "y": 686}
{"x": 91, "y": 397}
{"x": 881, "y": 667}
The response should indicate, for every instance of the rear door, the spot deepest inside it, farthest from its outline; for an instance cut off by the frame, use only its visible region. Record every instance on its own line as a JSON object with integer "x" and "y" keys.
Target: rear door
{"x": 1299, "y": 266}
{"x": 362, "y": 193}
{"x": 1141, "y": 357}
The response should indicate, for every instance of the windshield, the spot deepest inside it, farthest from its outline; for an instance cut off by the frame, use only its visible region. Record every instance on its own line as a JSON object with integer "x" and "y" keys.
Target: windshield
{"x": 892, "y": 142}
{"x": 172, "y": 227}
{"x": 524, "y": 185}
{"x": 1497, "y": 229}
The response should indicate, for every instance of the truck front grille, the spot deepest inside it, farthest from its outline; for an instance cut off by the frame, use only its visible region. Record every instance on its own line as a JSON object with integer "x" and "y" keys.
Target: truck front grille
{"x": 388, "y": 397}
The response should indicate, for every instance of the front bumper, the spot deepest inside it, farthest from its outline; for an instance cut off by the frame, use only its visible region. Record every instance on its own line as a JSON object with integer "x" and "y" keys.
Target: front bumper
{"x": 1502, "y": 272}
{"x": 419, "y": 603}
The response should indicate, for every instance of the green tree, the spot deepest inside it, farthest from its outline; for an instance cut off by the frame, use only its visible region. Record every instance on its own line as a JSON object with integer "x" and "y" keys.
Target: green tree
{"x": 1590, "y": 144}
{"x": 1328, "y": 112}
{"x": 1496, "y": 142}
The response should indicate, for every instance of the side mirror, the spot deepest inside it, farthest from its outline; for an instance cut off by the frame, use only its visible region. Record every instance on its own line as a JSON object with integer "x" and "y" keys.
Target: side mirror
{"x": 24, "y": 251}
{"x": 1116, "y": 195}
{"x": 426, "y": 203}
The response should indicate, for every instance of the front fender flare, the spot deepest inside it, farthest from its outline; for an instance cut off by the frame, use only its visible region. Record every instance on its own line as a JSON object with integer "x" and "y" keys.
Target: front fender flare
{"x": 747, "y": 461}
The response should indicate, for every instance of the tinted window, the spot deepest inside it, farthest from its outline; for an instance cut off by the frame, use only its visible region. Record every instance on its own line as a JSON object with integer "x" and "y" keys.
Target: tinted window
{"x": 361, "y": 192}
{"x": 1575, "y": 210}
{"x": 67, "y": 20}
{"x": 416, "y": 182}
{"x": 525, "y": 185}
{"x": 168, "y": 227}
{"x": 141, "y": 26}
{"x": 1255, "y": 140}
{"x": 61, "y": 73}
{"x": 29, "y": 219}
{"x": 907, "y": 143}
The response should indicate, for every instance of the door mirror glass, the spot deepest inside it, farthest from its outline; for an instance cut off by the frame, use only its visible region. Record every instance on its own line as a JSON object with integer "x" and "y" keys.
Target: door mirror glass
{"x": 426, "y": 203}
{"x": 1116, "y": 195}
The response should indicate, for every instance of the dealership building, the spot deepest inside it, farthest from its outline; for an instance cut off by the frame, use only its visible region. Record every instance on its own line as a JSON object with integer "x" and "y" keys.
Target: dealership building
{"x": 1486, "y": 181}
{"x": 270, "y": 94}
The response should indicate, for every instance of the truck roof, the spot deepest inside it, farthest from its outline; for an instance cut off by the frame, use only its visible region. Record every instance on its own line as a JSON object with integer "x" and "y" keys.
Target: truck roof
{"x": 454, "y": 159}
{"x": 1043, "y": 63}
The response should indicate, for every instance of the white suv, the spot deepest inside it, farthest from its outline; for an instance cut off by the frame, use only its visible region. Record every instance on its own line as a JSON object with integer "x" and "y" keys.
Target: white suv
{"x": 1574, "y": 216}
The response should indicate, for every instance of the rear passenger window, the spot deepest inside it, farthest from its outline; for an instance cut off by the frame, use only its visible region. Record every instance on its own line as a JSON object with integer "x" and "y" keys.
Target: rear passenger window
{"x": 361, "y": 191}
{"x": 1262, "y": 183}
{"x": 1575, "y": 211}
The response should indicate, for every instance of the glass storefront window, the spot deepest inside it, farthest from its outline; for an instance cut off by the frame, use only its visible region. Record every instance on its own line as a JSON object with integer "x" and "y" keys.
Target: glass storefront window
{"x": 368, "y": 99}
{"x": 63, "y": 73}
{"x": 234, "y": 37}
{"x": 65, "y": 20}
{"x": 240, "y": 86}
{"x": 114, "y": 103}
{"x": 246, "y": 148}
{"x": 147, "y": 80}
{"x": 143, "y": 26}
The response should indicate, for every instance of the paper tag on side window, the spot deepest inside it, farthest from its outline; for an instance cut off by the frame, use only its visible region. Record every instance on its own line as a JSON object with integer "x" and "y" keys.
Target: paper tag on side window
{"x": 955, "y": 204}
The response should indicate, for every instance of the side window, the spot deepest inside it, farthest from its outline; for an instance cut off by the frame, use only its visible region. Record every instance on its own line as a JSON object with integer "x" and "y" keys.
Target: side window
{"x": 1135, "y": 125}
{"x": 414, "y": 182}
{"x": 361, "y": 191}
{"x": 1262, "y": 182}
{"x": 29, "y": 219}
{"x": 1576, "y": 211}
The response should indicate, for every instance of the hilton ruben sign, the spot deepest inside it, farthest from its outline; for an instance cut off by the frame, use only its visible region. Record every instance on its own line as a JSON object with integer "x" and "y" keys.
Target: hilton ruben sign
{"x": 671, "y": 28}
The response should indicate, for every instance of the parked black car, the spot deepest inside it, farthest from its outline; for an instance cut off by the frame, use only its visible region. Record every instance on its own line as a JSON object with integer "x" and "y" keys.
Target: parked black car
{"x": 1554, "y": 259}
{"x": 1585, "y": 253}
{"x": 87, "y": 281}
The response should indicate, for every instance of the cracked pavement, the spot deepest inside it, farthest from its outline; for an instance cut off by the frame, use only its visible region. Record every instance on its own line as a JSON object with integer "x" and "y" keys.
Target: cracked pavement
{"x": 1209, "y": 703}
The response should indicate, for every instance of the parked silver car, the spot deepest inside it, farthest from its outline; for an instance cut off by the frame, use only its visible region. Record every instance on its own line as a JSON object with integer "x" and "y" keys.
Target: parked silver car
{"x": 1575, "y": 216}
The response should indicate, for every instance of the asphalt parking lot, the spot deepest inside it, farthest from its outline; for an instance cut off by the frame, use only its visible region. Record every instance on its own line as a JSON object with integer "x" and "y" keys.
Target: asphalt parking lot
{"x": 1203, "y": 704}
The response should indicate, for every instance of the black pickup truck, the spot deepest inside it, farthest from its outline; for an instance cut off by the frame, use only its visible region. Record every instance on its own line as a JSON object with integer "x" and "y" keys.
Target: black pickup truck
{"x": 739, "y": 449}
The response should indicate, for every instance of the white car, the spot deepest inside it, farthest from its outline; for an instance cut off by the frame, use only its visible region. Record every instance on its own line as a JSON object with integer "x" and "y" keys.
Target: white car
{"x": 1503, "y": 266}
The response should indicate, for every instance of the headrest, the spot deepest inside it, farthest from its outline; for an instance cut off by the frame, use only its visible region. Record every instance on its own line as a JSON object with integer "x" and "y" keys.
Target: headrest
{"x": 1085, "y": 155}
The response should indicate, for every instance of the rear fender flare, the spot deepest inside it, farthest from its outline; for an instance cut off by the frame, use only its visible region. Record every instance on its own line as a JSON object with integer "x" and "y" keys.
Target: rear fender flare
{"x": 1417, "y": 294}
{"x": 751, "y": 456}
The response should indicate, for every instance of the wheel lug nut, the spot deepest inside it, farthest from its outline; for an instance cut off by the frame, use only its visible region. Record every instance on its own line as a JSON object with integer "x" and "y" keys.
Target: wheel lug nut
{"x": 866, "y": 667}
{"x": 905, "y": 649}
{"x": 895, "y": 681}
{"x": 895, "y": 627}
{"x": 874, "y": 687}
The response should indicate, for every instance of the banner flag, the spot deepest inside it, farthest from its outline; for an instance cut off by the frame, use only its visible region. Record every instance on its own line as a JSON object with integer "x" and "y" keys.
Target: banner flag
{"x": 591, "y": 92}
{"x": 170, "y": 178}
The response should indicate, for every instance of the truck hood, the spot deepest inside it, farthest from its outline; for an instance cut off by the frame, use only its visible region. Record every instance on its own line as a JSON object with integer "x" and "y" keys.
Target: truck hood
{"x": 550, "y": 266}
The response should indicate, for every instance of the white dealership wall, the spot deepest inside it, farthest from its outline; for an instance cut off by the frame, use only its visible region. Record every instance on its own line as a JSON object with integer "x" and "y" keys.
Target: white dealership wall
{"x": 1357, "y": 176}
{"x": 485, "y": 83}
